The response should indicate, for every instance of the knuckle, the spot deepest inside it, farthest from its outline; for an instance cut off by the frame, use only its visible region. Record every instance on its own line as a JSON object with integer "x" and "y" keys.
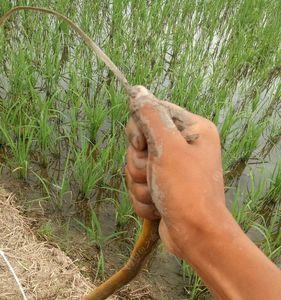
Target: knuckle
{"x": 208, "y": 127}
{"x": 141, "y": 193}
{"x": 140, "y": 163}
{"x": 143, "y": 212}
{"x": 136, "y": 174}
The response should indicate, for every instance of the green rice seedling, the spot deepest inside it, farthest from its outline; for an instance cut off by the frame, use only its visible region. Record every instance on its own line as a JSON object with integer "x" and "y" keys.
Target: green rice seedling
{"x": 272, "y": 140}
{"x": 118, "y": 110}
{"x": 194, "y": 285}
{"x": 230, "y": 118}
{"x": 2, "y": 145}
{"x": 72, "y": 122}
{"x": 62, "y": 186}
{"x": 89, "y": 167}
{"x": 246, "y": 202}
{"x": 271, "y": 234}
{"x": 94, "y": 231}
{"x": 240, "y": 150}
{"x": 44, "y": 183}
{"x": 95, "y": 234}
{"x": 271, "y": 200}
{"x": 259, "y": 202}
{"x": 44, "y": 136}
{"x": 20, "y": 147}
{"x": 115, "y": 182}
{"x": 121, "y": 202}
{"x": 46, "y": 230}
{"x": 100, "y": 266}
{"x": 123, "y": 208}
{"x": 95, "y": 117}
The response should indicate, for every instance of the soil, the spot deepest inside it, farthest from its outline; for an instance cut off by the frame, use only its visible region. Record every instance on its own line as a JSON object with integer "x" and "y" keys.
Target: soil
{"x": 160, "y": 278}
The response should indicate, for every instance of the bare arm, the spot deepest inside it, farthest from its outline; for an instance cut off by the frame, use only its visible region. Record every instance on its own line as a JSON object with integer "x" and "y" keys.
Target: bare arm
{"x": 179, "y": 179}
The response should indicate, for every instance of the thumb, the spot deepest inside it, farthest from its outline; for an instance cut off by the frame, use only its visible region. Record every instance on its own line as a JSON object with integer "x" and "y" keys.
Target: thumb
{"x": 154, "y": 120}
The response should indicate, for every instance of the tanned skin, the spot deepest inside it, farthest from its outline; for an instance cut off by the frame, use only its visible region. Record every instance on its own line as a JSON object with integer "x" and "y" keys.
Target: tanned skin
{"x": 182, "y": 182}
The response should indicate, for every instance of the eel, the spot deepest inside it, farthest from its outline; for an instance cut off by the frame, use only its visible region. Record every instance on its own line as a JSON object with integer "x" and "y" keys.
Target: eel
{"x": 149, "y": 236}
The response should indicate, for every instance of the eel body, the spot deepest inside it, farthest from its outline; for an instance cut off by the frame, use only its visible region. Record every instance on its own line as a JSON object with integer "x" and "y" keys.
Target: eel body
{"x": 149, "y": 236}
{"x": 145, "y": 244}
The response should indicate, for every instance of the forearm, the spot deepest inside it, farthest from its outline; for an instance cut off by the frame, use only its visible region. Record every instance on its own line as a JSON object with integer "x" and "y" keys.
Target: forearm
{"x": 230, "y": 264}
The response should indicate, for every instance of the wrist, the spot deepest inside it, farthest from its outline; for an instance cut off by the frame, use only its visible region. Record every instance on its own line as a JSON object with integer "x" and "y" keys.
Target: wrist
{"x": 225, "y": 258}
{"x": 191, "y": 229}
{"x": 206, "y": 228}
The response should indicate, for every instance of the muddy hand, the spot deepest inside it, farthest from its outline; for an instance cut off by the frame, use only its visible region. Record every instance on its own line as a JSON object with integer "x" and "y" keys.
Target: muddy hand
{"x": 174, "y": 167}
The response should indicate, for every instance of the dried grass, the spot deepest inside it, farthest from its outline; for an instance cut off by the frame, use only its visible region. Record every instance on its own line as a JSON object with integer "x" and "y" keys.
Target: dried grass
{"x": 45, "y": 272}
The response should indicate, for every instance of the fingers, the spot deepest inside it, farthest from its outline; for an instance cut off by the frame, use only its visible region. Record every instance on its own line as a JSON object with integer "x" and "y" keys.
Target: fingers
{"x": 141, "y": 193}
{"x": 135, "y": 136}
{"x": 184, "y": 120}
{"x": 192, "y": 127}
{"x": 141, "y": 199}
{"x": 162, "y": 121}
{"x": 146, "y": 211}
{"x": 136, "y": 173}
{"x": 154, "y": 121}
{"x": 181, "y": 117}
{"x": 136, "y": 164}
{"x": 139, "y": 190}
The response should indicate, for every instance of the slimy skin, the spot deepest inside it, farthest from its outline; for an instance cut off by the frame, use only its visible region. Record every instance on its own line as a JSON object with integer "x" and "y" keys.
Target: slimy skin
{"x": 145, "y": 244}
{"x": 149, "y": 235}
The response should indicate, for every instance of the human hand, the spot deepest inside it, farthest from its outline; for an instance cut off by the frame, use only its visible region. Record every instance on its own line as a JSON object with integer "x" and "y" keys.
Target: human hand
{"x": 174, "y": 172}
{"x": 174, "y": 169}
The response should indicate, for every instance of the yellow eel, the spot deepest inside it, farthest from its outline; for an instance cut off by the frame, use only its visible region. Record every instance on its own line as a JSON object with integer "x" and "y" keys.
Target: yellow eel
{"x": 149, "y": 235}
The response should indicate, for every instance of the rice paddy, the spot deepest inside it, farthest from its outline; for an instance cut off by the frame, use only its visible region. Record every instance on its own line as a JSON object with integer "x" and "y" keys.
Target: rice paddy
{"x": 63, "y": 114}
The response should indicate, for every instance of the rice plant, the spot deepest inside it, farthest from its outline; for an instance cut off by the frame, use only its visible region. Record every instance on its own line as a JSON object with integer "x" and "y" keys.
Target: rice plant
{"x": 61, "y": 110}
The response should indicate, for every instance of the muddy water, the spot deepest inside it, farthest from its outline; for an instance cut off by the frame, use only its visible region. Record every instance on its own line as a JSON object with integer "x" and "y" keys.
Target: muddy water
{"x": 162, "y": 278}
